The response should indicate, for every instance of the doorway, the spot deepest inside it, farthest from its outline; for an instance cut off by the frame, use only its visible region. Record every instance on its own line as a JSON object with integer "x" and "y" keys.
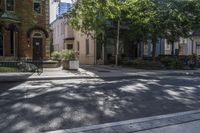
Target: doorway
{"x": 37, "y": 49}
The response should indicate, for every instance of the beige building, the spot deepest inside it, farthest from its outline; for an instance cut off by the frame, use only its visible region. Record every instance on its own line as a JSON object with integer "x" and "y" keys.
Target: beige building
{"x": 64, "y": 37}
{"x": 185, "y": 46}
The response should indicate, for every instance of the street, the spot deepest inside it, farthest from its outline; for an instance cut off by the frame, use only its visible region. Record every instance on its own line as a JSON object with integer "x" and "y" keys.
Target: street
{"x": 46, "y": 105}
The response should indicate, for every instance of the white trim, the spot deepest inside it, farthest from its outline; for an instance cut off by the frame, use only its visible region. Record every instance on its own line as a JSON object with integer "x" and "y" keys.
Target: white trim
{"x": 41, "y": 33}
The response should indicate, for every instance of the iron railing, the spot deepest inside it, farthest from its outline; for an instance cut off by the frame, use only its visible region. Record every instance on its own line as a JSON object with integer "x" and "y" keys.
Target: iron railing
{"x": 20, "y": 65}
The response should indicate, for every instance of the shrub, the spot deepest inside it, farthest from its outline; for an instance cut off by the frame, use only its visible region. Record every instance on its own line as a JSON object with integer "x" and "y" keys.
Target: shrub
{"x": 69, "y": 55}
{"x": 146, "y": 64}
{"x": 139, "y": 61}
{"x": 56, "y": 55}
{"x": 172, "y": 62}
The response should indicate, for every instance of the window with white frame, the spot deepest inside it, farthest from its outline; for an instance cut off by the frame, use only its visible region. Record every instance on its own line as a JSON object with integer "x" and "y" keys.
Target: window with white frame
{"x": 10, "y": 5}
{"x": 37, "y": 6}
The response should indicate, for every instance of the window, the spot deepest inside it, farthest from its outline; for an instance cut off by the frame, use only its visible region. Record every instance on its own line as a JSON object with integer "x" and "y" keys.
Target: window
{"x": 1, "y": 44}
{"x": 198, "y": 45}
{"x": 12, "y": 41}
{"x": 37, "y": 6}
{"x": 58, "y": 30}
{"x": 198, "y": 48}
{"x": 10, "y": 5}
{"x": 87, "y": 47}
{"x": 70, "y": 46}
{"x": 62, "y": 28}
{"x": 78, "y": 46}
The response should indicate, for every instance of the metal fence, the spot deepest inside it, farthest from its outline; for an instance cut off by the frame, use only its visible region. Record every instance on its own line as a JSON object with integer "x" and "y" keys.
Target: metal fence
{"x": 19, "y": 65}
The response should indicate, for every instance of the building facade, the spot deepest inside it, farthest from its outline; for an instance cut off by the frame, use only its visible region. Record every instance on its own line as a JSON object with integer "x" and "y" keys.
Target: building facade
{"x": 62, "y": 8}
{"x": 26, "y": 28}
{"x": 185, "y": 46}
{"x": 64, "y": 37}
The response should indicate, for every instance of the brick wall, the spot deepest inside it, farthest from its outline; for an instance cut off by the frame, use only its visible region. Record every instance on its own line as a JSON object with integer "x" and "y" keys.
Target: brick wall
{"x": 28, "y": 19}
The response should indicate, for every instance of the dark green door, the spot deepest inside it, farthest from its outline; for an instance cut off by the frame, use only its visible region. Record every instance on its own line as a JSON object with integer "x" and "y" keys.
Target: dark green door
{"x": 37, "y": 49}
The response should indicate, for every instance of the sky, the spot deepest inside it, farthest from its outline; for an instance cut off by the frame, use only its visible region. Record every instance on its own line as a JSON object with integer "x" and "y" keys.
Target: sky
{"x": 53, "y": 6}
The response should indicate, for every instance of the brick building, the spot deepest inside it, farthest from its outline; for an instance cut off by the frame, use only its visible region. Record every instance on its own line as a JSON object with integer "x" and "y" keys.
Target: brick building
{"x": 26, "y": 28}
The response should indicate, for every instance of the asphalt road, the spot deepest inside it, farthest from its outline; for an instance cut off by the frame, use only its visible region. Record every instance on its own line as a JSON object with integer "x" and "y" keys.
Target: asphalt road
{"x": 37, "y": 106}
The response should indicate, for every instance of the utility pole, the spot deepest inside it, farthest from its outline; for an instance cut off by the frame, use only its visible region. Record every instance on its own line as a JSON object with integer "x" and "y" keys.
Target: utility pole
{"x": 117, "y": 44}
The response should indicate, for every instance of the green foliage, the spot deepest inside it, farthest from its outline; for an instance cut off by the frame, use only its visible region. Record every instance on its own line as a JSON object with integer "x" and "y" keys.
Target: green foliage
{"x": 56, "y": 55}
{"x": 170, "y": 19}
{"x": 69, "y": 55}
{"x": 139, "y": 61}
{"x": 143, "y": 64}
{"x": 91, "y": 16}
{"x": 64, "y": 55}
{"x": 172, "y": 63}
{"x": 8, "y": 69}
{"x": 147, "y": 19}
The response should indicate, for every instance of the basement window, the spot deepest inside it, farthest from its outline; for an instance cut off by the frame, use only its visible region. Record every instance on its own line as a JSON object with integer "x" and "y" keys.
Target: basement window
{"x": 37, "y": 6}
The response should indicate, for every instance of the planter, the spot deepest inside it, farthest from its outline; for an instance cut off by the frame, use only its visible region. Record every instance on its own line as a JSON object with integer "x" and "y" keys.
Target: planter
{"x": 70, "y": 64}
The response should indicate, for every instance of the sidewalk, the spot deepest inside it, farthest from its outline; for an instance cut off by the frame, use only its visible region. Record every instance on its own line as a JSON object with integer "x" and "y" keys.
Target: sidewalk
{"x": 185, "y": 122}
{"x": 90, "y": 72}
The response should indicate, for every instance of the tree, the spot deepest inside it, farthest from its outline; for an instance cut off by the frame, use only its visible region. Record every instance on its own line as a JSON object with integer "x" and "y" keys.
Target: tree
{"x": 144, "y": 18}
{"x": 92, "y": 16}
{"x": 181, "y": 19}
{"x": 169, "y": 19}
{"x": 148, "y": 19}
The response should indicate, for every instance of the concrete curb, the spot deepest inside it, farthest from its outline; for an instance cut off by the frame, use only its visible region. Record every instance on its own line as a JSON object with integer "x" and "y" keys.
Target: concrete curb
{"x": 68, "y": 78}
{"x": 136, "y": 125}
{"x": 22, "y": 77}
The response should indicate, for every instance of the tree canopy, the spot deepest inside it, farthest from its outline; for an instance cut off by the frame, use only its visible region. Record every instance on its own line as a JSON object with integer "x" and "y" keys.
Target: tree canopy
{"x": 92, "y": 15}
{"x": 147, "y": 19}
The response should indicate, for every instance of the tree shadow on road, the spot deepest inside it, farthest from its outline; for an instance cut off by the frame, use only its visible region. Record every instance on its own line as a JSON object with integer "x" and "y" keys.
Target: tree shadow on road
{"x": 52, "y": 105}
